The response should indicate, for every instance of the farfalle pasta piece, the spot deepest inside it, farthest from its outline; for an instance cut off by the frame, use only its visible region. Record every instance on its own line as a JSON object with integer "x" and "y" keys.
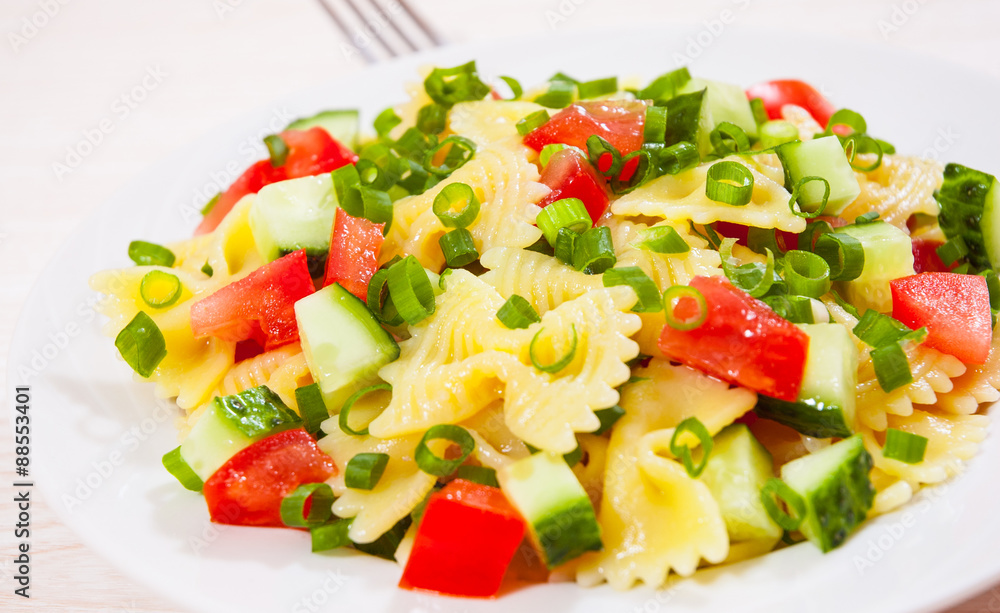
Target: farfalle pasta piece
{"x": 900, "y": 187}
{"x": 542, "y": 280}
{"x": 489, "y": 122}
{"x": 979, "y": 384}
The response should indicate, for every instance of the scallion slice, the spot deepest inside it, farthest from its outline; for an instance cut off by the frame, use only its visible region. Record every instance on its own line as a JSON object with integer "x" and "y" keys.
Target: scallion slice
{"x": 459, "y": 151}
{"x": 150, "y": 254}
{"x": 430, "y": 463}
{"x": 159, "y": 289}
{"x": 608, "y": 417}
{"x": 332, "y": 535}
{"x": 557, "y": 365}
{"x": 205, "y": 210}
{"x": 665, "y": 86}
{"x": 312, "y": 407}
{"x": 866, "y": 218}
{"x": 318, "y": 496}
{"x": 777, "y": 132}
{"x": 797, "y": 190}
{"x": 411, "y": 290}
{"x": 373, "y": 204}
{"x": 431, "y": 118}
{"x": 604, "y": 156}
{"x": 345, "y": 411}
{"x": 754, "y": 278}
{"x": 810, "y": 236}
{"x": 643, "y": 171}
{"x": 380, "y": 302}
{"x": 458, "y": 248}
{"x": 568, "y": 213}
{"x": 777, "y": 489}
{"x": 207, "y": 269}
{"x": 877, "y": 329}
{"x": 760, "y": 240}
{"x": 728, "y": 138}
{"x": 862, "y": 143}
{"x": 456, "y": 205}
{"x": 141, "y": 344}
{"x": 654, "y": 130}
{"x": 694, "y": 426}
{"x": 796, "y": 309}
{"x": 953, "y": 251}
{"x": 844, "y": 254}
{"x": 650, "y": 300}
{"x": 993, "y": 285}
{"x": 597, "y": 87}
{"x": 386, "y": 121}
{"x": 892, "y": 368}
{"x": 681, "y": 296}
{"x": 904, "y": 446}
{"x": 344, "y": 179}
{"x": 759, "y": 112}
{"x": 175, "y": 464}
{"x": 849, "y": 119}
{"x": 374, "y": 176}
{"x": 806, "y": 274}
{"x": 594, "y": 252}
{"x": 517, "y": 313}
{"x": 448, "y": 86}
{"x": 277, "y": 149}
{"x": 483, "y": 475}
{"x": 364, "y": 470}
{"x": 565, "y": 245}
{"x": 515, "y": 87}
{"x": 661, "y": 239}
{"x": 730, "y": 183}
{"x": 549, "y": 150}
{"x": 531, "y": 122}
{"x": 676, "y": 158}
{"x": 559, "y": 95}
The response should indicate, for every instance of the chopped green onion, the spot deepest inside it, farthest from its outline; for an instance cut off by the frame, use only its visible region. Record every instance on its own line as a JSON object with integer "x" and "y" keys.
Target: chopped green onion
{"x": 563, "y": 77}
{"x": 448, "y": 86}
{"x": 344, "y": 179}
{"x": 728, "y": 138}
{"x": 205, "y": 210}
{"x": 374, "y": 176}
{"x": 608, "y": 417}
{"x": 593, "y": 252}
{"x": 207, "y": 269}
{"x": 557, "y": 365}
{"x": 372, "y": 204}
{"x": 345, "y": 412}
{"x": 661, "y": 239}
{"x": 458, "y": 248}
{"x": 963, "y": 269}
{"x": 531, "y": 122}
{"x": 676, "y": 158}
{"x": 386, "y": 121}
{"x": 643, "y": 170}
{"x": 175, "y": 464}
{"x": 877, "y": 329}
{"x": 807, "y": 274}
{"x": 517, "y": 313}
{"x": 862, "y": 143}
{"x": 332, "y": 535}
{"x": 847, "y": 118}
{"x": 432, "y": 118}
{"x": 993, "y": 285}
{"x": 760, "y": 240}
{"x": 277, "y": 149}
{"x": 413, "y": 144}
{"x": 892, "y": 368}
{"x": 430, "y": 463}
{"x": 380, "y": 302}
{"x": 650, "y": 300}
{"x": 460, "y": 196}
{"x": 293, "y": 506}
{"x": 844, "y": 254}
{"x": 598, "y": 151}
{"x": 953, "y": 251}
{"x": 386, "y": 545}
{"x": 364, "y": 470}
{"x": 312, "y": 408}
{"x": 150, "y": 254}
{"x": 483, "y": 475}
{"x": 654, "y": 130}
{"x": 559, "y": 95}
{"x": 814, "y": 229}
{"x": 796, "y": 309}
{"x": 797, "y": 191}
{"x": 776, "y": 488}
{"x": 847, "y": 306}
{"x": 869, "y": 217}
{"x": 541, "y": 246}
{"x": 759, "y": 112}
{"x": 777, "y": 132}
{"x": 141, "y": 344}
{"x": 665, "y": 86}
{"x": 672, "y": 299}
{"x": 568, "y": 213}
{"x": 159, "y": 289}
{"x": 753, "y": 278}
{"x": 411, "y": 290}
{"x": 695, "y": 427}
{"x": 597, "y": 87}
{"x": 462, "y": 150}
{"x": 514, "y": 85}
{"x": 904, "y": 446}
{"x": 565, "y": 245}
{"x": 549, "y": 150}
{"x": 730, "y": 183}
{"x": 573, "y": 457}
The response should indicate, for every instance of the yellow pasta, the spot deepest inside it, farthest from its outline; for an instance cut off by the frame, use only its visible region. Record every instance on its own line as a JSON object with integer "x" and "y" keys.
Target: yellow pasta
{"x": 488, "y": 122}
{"x": 900, "y": 187}
{"x": 542, "y": 280}
{"x": 979, "y": 384}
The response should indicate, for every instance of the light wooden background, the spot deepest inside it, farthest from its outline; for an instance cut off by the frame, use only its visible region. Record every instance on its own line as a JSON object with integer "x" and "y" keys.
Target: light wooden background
{"x": 221, "y": 58}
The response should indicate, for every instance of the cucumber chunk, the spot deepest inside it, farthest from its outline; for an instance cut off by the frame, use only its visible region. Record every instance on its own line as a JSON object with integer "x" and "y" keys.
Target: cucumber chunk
{"x": 826, "y": 403}
{"x": 821, "y": 157}
{"x": 837, "y": 490}
{"x": 726, "y": 102}
{"x": 888, "y": 256}
{"x": 969, "y": 201}
{"x": 560, "y": 517}
{"x": 737, "y": 469}
{"x": 342, "y": 125}
{"x": 343, "y": 343}
{"x": 292, "y": 215}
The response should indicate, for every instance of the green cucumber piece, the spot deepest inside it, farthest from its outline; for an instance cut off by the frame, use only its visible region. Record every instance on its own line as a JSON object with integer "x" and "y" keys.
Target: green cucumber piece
{"x": 826, "y": 403}
{"x": 689, "y": 119}
{"x": 342, "y": 125}
{"x": 257, "y": 412}
{"x": 343, "y": 343}
{"x": 561, "y": 519}
{"x": 726, "y": 102}
{"x": 969, "y": 201}
{"x": 836, "y": 488}
{"x": 737, "y": 469}
{"x": 292, "y": 215}
{"x": 888, "y": 256}
{"x": 821, "y": 157}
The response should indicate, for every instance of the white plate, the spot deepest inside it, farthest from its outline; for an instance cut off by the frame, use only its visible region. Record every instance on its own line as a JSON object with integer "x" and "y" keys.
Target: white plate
{"x": 99, "y": 436}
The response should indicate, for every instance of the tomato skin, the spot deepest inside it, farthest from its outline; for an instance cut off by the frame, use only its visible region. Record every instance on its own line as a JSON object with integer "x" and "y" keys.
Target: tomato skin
{"x": 741, "y": 341}
{"x": 248, "y": 489}
{"x": 258, "y": 307}
{"x": 466, "y": 539}
{"x": 955, "y": 308}
{"x": 250, "y": 182}
{"x": 569, "y": 175}
{"x": 925, "y": 257}
{"x": 776, "y": 94}
{"x": 354, "y": 250}
{"x": 619, "y": 122}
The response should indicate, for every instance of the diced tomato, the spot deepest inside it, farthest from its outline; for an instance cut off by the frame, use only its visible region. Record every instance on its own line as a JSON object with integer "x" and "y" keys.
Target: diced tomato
{"x": 925, "y": 257}
{"x": 258, "y": 307}
{"x": 778, "y": 93}
{"x": 466, "y": 539}
{"x": 249, "y": 488}
{"x": 569, "y": 175}
{"x": 354, "y": 249}
{"x": 741, "y": 341}
{"x": 247, "y": 349}
{"x": 620, "y": 122}
{"x": 310, "y": 152}
{"x": 954, "y": 307}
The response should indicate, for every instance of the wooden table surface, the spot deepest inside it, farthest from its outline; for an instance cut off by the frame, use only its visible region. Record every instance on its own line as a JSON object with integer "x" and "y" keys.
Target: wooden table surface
{"x": 66, "y": 65}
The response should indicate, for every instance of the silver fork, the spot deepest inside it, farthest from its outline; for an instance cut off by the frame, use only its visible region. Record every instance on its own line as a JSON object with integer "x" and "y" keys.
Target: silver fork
{"x": 380, "y": 29}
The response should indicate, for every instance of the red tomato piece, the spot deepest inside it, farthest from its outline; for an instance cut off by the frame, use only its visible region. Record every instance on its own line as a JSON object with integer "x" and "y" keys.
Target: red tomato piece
{"x": 258, "y": 307}
{"x": 250, "y": 182}
{"x": 466, "y": 539}
{"x": 249, "y": 488}
{"x": 925, "y": 257}
{"x": 618, "y": 122}
{"x": 569, "y": 175}
{"x": 741, "y": 341}
{"x": 954, "y": 307}
{"x": 778, "y": 93}
{"x": 354, "y": 249}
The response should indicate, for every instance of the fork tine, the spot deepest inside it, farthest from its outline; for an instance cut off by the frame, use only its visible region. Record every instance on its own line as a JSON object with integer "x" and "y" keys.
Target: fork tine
{"x": 377, "y": 35}
{"x": 370, "y": 57}
{"x": 392, "y": 24}
{"x": 423, "y": 25}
